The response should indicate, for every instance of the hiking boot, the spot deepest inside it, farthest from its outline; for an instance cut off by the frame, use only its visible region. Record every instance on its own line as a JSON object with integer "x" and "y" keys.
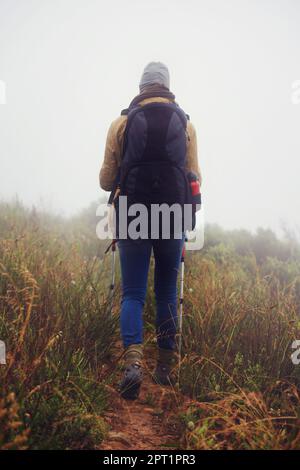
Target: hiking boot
{"x": 133, "y": 375}
{"x": 163, "y": 374}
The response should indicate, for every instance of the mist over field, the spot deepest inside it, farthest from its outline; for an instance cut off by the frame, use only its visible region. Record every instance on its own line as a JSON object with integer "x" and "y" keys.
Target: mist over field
{"x": 70, "y": 66}
{"x": 67, "y": 68}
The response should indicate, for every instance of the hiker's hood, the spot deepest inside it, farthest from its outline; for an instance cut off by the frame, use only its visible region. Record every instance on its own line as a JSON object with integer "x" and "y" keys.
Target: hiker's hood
{"x": 155, "y": 73}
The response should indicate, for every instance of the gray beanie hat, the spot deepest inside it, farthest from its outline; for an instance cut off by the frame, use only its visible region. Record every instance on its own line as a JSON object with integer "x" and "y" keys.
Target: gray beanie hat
{"x": 155, "y": 73}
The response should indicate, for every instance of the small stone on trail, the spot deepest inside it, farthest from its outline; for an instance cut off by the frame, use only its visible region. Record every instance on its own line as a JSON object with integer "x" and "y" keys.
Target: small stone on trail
{"x": 157, "y": 412}
{"x": 119, "y": 436}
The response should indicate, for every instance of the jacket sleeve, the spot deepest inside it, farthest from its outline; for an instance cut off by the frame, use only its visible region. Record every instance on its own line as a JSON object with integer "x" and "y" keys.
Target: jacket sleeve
{"x": 192, "y": 163}
{"x": 112, "y": 153}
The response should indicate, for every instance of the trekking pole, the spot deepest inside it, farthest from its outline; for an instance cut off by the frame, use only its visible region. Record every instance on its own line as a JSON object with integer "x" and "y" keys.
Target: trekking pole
{"x": 113, "y": 265}
{"x": 181, "y": 309}
{"x": 112, "y": 246}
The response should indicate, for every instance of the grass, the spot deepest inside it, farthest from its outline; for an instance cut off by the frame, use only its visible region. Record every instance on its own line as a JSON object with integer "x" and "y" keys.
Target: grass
{"x": 54, "y": 319}
{"x": 241, "y": 320}
{"x": 241, "y": 315}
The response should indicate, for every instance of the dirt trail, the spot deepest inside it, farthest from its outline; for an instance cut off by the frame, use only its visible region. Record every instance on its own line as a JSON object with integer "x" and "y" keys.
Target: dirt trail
{"x": 147, "y": 423}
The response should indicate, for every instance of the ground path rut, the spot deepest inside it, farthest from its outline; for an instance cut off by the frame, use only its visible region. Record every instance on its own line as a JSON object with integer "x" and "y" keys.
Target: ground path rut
{"x": 150, "y": 421}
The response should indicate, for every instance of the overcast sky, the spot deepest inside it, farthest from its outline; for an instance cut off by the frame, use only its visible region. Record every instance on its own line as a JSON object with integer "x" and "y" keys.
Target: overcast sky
{"x": 70, "y": 66}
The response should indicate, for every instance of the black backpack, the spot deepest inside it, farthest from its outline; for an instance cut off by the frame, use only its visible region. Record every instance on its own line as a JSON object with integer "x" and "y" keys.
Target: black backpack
{"x": 153, "y": 165}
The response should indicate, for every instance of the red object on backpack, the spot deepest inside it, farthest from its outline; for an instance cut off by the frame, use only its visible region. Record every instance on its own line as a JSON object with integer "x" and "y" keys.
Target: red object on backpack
{"x": 195, "y": 194}
{"x": 195, "y": 187}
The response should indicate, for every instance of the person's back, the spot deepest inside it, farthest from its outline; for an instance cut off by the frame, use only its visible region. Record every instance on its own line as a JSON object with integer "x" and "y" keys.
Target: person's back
{"x": 141, "y": 152}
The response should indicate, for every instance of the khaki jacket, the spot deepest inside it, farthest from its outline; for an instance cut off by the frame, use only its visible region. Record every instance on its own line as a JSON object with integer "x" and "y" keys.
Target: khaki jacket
{"x": 114, "y": 147}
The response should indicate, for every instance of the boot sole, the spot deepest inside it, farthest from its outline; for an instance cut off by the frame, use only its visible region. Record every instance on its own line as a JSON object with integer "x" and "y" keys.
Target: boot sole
{"x": 166, "y": 383}
{"x": 130, "y": 390}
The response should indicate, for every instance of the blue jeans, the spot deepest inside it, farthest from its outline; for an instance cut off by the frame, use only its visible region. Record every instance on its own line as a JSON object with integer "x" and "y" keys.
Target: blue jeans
{"x": 135, "y": 260}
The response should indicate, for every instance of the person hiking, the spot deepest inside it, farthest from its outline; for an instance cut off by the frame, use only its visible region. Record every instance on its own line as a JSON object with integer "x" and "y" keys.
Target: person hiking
{"x": 161, "y": 131}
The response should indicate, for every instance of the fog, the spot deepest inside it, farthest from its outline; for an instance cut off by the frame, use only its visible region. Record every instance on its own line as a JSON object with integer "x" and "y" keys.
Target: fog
{"x": 70, "y": 66}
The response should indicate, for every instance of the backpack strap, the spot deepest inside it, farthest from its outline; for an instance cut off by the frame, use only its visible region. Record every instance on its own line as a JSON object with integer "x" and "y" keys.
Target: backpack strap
{"x": 130, "y": 112}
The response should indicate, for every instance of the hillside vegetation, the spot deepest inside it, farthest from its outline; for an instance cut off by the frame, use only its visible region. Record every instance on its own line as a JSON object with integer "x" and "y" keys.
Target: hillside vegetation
{"x": 241, "y": 316}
